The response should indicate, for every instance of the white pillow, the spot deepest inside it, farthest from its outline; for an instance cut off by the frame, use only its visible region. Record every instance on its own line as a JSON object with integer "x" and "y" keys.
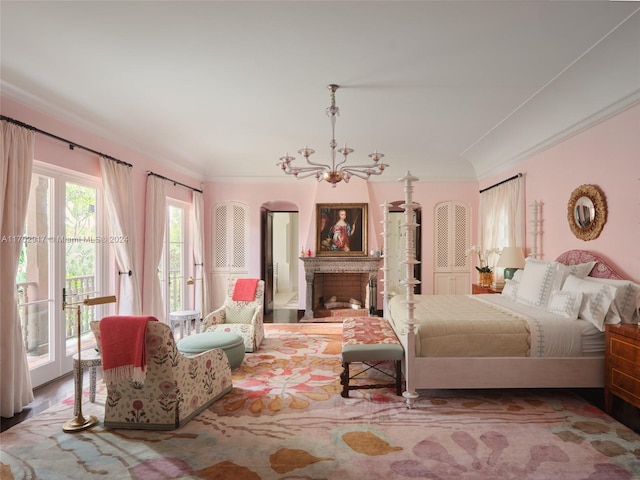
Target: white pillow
{"x": 539, "y": 279}
{"x": 517, "y": 275}
{"x": 596, "y": 299}
{"x": 580, "y": 270}
{"x": 510, "y": 289}
{"x": 565, "y": 303}
{"x": 626, "y": 305}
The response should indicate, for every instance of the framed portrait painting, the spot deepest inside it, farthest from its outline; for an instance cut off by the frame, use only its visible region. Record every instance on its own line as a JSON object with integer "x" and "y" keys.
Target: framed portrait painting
{"x": 341, "y": 229}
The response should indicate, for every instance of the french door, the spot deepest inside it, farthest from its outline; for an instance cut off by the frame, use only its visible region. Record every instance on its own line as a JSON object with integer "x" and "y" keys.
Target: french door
{"x": 64, "y": 251}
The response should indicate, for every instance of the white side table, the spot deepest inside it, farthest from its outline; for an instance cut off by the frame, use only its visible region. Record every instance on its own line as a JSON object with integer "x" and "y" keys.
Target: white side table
{"x": 183, "y": 318}
{"x": 90, "y": 359}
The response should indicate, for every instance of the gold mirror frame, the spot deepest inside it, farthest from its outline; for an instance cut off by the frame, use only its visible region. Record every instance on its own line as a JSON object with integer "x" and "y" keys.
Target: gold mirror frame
{"x": 590, "y": 229}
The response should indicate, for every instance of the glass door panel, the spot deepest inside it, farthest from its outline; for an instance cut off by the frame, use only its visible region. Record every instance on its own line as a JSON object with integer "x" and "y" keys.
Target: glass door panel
{"x": 61, "y": 258}
{"x": 81, "y": 241}
{"x": 33, "y": 282}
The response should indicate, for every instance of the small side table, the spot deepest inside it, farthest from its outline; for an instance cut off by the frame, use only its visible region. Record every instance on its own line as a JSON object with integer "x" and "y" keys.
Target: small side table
{"x": 90, "y": 359}
{"x": 477, "y": 289}
{"x": 183, "y": 318}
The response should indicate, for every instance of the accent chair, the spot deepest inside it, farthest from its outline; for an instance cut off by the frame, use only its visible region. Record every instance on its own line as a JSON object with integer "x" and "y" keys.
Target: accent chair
{"x": 242, "y": 317}
{"x": 176, "y": 388}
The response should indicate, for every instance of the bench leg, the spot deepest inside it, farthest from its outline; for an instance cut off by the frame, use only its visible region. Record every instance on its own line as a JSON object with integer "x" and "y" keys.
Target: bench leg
{"x": 398, "y": 377}
{"x": 344, "y": 380}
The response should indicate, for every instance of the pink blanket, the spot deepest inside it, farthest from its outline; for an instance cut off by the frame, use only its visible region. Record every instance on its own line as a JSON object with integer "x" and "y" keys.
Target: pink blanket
{"x": 245, "y": 289}
{"x": 123, "y": 340}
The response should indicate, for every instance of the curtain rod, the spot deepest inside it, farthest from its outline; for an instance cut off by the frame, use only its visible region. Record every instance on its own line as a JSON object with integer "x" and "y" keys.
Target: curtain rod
{"x": 71, "y": 144}
{"x": 500, "y": 183}
{"x": 175, "y": 182}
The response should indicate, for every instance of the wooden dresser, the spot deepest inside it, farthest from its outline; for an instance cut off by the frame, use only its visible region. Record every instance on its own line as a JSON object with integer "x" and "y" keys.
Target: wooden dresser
{"x": 622, "y": 365}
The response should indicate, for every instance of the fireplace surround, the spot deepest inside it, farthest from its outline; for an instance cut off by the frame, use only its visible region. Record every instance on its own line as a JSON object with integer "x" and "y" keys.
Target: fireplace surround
{"x": 343, "y": 277}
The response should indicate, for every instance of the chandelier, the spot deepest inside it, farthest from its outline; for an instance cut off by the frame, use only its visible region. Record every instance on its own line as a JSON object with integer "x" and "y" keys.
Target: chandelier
{"x": 336, "y": 172}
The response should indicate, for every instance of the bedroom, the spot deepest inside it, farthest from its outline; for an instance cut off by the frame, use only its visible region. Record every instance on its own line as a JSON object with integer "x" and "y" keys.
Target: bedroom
{"x": 603, "y": 151}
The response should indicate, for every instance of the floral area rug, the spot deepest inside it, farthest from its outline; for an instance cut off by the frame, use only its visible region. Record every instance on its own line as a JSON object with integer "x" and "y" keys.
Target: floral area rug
{"x": 285, "y": 419}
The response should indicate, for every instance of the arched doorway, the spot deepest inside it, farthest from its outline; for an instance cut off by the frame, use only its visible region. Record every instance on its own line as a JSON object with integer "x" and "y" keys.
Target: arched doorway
{"x": 280, "y": 262}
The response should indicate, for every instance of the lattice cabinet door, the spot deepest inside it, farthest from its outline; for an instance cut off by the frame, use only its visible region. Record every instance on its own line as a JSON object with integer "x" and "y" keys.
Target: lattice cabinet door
{"x": 452, "y": 232}
{"x": 230, "y": 238}
{"x": 229, "y": 245}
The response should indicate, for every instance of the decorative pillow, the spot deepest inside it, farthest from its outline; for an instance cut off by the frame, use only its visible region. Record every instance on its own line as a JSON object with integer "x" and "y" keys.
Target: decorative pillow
{"x": 596, "y": 299}
{"x": 580, "y": 270}
{"x": 510, "y": 289}
{"x": 626, "y": 305}
{"x": 565, "y": 303}
{"x": 539, "y": 279}
{"x": 517, "y": 275}
{"x": 236, "y": 314}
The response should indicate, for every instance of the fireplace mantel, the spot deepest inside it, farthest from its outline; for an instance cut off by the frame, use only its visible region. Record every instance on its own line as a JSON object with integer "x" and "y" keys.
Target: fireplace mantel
{"x": 313, "y": 265}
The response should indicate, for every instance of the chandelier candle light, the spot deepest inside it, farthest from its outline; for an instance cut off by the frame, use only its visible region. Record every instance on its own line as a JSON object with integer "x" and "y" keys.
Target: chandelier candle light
{"x": 333, "y": 173}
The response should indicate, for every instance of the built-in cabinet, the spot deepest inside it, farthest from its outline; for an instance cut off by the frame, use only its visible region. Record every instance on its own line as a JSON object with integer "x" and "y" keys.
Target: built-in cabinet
{"x": 230, "y": 246}
{"x": 452, "y": 238}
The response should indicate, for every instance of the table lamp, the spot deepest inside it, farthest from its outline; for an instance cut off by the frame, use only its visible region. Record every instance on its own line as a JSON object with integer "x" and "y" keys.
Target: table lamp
{"x": 511, "y": 259}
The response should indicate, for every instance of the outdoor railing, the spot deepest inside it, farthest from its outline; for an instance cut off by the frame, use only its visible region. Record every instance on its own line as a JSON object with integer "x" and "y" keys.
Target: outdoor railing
{"x": 34, "y": 306}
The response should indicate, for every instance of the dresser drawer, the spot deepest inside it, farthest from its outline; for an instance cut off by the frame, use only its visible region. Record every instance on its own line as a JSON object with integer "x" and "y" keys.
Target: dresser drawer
{"x": 624, "y": 355}
{"x": 625, "y": 386}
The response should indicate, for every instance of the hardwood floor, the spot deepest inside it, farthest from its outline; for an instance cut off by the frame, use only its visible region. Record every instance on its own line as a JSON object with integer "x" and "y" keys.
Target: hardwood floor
{"x": 61, "y": 388}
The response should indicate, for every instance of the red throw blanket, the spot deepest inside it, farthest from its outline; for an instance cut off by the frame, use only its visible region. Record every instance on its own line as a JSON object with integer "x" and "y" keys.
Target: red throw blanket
{"x": 245, "y": 289}
{"x": 123, "y": 340}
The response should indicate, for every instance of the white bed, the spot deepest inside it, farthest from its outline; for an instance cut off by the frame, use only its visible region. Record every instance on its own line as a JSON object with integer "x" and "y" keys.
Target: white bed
{"x": 563, "y": 353}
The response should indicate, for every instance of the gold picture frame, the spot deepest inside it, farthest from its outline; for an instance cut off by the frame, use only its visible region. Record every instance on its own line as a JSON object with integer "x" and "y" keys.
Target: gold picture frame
{"x": 587, "y": 212}
{"x": 341, "y": 229}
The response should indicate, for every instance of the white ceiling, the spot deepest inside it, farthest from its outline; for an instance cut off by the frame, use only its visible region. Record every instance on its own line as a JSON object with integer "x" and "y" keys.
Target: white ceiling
{"x": 448, "y": 90}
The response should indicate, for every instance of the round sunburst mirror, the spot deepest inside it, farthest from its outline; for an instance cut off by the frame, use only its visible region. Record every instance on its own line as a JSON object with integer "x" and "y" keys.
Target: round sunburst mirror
{"x": 587, "y": 212}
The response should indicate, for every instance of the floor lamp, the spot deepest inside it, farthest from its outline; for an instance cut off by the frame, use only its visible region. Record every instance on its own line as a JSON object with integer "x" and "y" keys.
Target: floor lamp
{"x": 80, "y": 422}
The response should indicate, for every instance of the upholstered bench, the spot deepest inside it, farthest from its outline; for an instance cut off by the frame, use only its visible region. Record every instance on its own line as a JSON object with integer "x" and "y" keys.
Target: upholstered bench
{"x": 370, "y": 341}
{"x": 232, "y": 344}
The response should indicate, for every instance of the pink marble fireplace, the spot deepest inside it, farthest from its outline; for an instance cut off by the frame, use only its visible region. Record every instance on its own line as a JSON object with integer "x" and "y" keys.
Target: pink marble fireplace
{"x": 342, "y": 277}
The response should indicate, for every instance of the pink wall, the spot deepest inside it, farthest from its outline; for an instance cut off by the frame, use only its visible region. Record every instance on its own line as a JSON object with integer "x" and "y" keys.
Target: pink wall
{"x": 55, "y": 152}
{"x": 304, "y": 194}
{"x": 607, "y": 155}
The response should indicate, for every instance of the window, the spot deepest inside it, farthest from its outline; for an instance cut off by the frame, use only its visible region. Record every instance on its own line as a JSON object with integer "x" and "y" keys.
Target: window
{"x": 173, "y": 266}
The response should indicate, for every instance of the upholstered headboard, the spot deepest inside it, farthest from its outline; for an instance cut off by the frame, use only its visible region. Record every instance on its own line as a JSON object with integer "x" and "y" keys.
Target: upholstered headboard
{"x": 601, "y": 268}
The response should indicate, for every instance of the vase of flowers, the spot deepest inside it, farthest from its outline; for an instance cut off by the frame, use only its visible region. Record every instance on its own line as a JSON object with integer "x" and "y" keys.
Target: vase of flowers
{"x": 485, "y": 272}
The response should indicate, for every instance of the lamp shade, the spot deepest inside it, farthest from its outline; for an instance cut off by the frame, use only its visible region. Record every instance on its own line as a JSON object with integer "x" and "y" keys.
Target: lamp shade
{"x": 511, "y": 259}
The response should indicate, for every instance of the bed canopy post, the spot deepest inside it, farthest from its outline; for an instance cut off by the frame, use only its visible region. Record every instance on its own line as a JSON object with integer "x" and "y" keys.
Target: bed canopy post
{"x": 410, "y": 225}
{"x": 385, "y": 255}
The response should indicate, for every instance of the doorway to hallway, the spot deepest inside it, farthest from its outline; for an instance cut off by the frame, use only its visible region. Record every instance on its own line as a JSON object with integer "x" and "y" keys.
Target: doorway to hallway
{"x": 280, "y": 262}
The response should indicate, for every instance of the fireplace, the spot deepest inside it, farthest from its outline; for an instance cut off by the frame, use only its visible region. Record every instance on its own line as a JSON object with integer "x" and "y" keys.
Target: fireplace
{"x": 344, "y": 278}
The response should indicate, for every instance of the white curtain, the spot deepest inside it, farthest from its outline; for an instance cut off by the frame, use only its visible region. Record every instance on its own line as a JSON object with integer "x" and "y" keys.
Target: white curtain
{"x": 119, "y": 201}
{"x": 154, "y": 226}
{"x": 201, "y": 279}
{"x": 17, "y": 146}
{"x": 501, "y": 217}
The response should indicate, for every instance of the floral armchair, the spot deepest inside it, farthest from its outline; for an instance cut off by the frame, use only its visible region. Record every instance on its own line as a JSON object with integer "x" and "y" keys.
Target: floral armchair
{"x": 244, "y": 318}
{"x": 176, "y": 388}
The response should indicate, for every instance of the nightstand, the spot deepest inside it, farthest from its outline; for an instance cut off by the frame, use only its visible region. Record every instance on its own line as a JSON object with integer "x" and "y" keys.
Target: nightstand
{"x": 622, "y": 365}
{"x": 476, "y": 289}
